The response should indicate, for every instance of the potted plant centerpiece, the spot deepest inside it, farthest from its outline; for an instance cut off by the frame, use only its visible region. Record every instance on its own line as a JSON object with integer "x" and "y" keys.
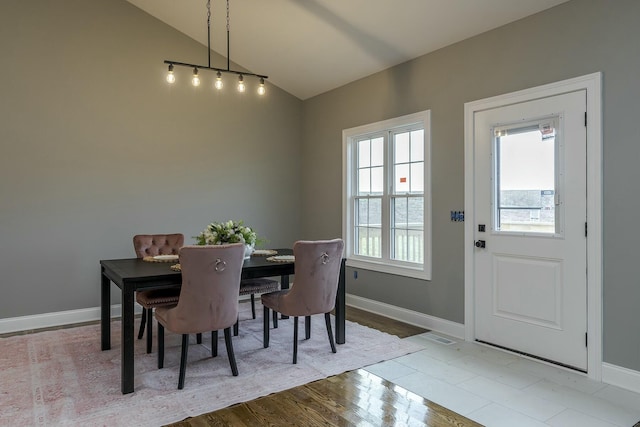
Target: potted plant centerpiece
{"x": 219, "y": 233}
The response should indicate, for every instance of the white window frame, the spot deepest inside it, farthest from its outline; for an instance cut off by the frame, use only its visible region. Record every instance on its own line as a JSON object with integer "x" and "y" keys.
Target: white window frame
{"x": 349, "y": 168}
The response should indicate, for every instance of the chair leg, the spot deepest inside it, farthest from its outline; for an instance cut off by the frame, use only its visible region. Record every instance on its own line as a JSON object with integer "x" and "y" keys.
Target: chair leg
{"x": 265, "y": 327}
{"x": 199, "y": 338}
{"x": 232, "y": 357}
{"x": 295, "y": 340}
{"x": 214, "y": 343}
{"x": 327, "y": 320}
{"x": 253, "y": 306}
{"x": 275, "y": 319}
{"x": 160, "y": 346}
{"x": 143, "y": 322}
{"x": 307, "y": 327}
{"x": 183, "y": 360}
{"x": 149, "y": 329}
{"x": 235, "y": 327}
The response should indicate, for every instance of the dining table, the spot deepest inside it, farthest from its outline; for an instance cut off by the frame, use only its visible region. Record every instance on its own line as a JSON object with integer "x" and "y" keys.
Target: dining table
{"x": 134, "y": 274}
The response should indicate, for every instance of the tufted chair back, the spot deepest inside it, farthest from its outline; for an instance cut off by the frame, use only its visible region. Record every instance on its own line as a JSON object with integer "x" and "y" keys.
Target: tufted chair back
{"x": 157, "y": 244}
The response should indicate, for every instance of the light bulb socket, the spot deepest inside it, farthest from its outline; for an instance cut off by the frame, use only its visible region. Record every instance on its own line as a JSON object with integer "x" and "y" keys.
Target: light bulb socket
{"x": 241, "y": 87}
{"x": 195, "y": 80}
{"x": 170, "y": 77}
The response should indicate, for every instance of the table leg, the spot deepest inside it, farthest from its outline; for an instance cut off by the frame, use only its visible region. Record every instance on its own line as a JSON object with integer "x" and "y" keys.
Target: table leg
{"x": 340, "y": 308}
{"x": 126, "y": 361}
{"x": 105, "y": 312}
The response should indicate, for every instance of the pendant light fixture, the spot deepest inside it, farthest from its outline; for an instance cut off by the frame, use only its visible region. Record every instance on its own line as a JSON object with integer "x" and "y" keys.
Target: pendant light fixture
{"x": 218, "y": 83}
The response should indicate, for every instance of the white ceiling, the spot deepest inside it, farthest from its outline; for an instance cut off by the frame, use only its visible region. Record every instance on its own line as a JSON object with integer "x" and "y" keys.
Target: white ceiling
{"x": 308, "y": 47}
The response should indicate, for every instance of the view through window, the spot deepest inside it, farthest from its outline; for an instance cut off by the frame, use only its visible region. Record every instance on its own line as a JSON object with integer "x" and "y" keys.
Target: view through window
{"x": 525, "y": 177}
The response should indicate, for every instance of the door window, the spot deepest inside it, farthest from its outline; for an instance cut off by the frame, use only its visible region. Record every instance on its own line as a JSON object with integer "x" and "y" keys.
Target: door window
{"x": 526, "y": 178}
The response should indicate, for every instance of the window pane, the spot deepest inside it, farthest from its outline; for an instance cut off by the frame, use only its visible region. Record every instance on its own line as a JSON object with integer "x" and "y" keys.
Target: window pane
{"x": 401, "y": 147}
{"x": 369, "y": 242}
{"x": 401, "y": 181}
{"x": 364, "y": 181}
{"x": 525, "y": 172}
{"x": 375, "y": 212}
{"x": 377, "y": 152}
{"x": 400, "y": 214}
{"x": 415, "y": 216}
{"x": 362, "y": 217}
{"x": 364, "y": 153}
{"x": 408, "y": 245}
{"x": 400, "y": 244}
{"x": 377, "y": 180}
{"x": 417, "y": 145}
{"x": 417, "y": 177}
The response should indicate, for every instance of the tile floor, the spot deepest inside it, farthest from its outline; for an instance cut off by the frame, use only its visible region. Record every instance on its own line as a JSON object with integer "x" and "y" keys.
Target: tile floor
{"x": 495, "y": 388}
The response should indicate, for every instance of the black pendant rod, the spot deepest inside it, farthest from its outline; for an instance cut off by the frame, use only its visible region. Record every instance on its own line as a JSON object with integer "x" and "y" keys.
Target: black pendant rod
{"x": 209, "y": 67}
{"x": 209, "y": 35}
{"x": 222, "y": 70}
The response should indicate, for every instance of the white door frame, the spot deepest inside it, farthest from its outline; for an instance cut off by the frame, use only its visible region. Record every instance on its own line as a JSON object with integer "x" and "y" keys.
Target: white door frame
{"x": 592, "y": 84}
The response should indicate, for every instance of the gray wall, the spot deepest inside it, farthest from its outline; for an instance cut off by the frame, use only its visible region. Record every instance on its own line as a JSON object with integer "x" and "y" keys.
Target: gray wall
{"x": 96, "y": 147}
{"x": 576, "y": 38}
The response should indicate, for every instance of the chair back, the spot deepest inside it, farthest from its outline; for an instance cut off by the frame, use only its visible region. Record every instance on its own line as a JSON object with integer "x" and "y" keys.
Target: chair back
{"x": 316, "y": 277}
{"x": 210, "y": 286}
{"x": 157, "y": 244}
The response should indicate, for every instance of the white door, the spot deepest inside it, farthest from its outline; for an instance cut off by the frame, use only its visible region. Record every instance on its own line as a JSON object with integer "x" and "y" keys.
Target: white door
{"x": 530, "y": 228}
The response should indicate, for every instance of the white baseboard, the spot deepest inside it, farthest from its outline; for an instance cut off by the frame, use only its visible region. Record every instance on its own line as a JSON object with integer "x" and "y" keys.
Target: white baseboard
{"x": 621, "y": 377}
{"x": 407, "y": 316}
{"x": 59, "y": 318}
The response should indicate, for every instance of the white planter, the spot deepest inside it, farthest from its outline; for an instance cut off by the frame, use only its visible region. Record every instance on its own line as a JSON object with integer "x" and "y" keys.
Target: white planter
{"x": 248, "y": 250}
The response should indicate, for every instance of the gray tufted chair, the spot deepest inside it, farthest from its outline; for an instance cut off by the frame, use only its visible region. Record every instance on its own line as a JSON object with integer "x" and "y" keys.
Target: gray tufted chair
{"x": 208, "y": 300}
{"x": 152, "y": 245}
{"x": 317, "y": 270}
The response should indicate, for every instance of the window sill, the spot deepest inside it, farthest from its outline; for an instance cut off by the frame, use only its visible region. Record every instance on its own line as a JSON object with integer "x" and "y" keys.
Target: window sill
{"x": 382, "y": 267}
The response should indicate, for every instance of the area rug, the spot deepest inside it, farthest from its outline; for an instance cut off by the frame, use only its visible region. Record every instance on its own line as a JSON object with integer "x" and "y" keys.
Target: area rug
{"x": 62, "y": 378}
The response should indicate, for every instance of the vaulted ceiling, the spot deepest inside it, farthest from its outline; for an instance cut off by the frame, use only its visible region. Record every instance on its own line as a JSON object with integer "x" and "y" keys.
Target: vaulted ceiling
{"x": 308, "y": 47}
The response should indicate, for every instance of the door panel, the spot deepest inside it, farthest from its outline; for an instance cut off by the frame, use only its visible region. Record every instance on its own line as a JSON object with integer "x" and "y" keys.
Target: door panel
{"x": 535, "y": 297}
{"x": 530, "y": 186}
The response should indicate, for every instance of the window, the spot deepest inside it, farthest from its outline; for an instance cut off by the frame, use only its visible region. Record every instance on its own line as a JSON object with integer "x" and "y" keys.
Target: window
{"x": 526, "y": 177}
{"x": 386, "y": 218}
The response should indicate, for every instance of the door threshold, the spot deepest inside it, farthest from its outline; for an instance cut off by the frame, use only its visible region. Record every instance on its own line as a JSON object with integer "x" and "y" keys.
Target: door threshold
{"x": 531, "y": 356}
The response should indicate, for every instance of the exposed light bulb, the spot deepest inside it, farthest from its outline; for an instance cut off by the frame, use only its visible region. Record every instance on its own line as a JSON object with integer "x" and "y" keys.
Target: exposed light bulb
{"x": 218, "y": 84}
{"x": 261, "y": 89}
{"x": 170, "y": 77}
{"x": 195, "y": 80}
{"x": 241, "y": 87}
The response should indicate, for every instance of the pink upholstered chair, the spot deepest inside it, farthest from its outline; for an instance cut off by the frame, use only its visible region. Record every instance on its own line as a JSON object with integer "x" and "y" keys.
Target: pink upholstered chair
{"x": 152, "y": 245}
{"x": 208, "y": 299}
{"x": 317, "y": 266}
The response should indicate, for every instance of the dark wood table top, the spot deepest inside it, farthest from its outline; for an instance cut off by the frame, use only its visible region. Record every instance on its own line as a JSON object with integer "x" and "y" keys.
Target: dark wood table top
{"x": 138, "y": 272}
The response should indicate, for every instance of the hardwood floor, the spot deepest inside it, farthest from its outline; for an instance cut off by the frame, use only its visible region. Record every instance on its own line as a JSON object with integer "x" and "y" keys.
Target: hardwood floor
{"x": 355, "y": 398}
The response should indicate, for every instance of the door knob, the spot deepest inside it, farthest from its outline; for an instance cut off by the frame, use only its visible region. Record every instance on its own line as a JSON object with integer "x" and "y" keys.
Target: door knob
{"x": 481, "y": 244}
